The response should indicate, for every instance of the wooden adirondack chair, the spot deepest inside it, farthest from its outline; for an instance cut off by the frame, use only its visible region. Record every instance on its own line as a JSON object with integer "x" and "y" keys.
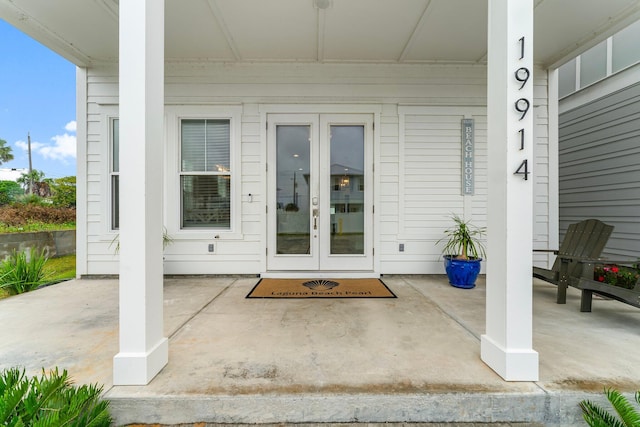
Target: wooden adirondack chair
{"x": 584, "y": 240}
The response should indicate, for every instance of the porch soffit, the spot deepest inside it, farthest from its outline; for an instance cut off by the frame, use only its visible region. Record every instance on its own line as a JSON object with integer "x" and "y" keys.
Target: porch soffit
{"x": 372, "y": 31}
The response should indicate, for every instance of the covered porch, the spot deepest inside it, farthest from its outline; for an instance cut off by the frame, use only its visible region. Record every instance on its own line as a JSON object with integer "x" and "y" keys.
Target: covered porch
{"x": 410, "y": 359}
{"x": 144, "y": 61}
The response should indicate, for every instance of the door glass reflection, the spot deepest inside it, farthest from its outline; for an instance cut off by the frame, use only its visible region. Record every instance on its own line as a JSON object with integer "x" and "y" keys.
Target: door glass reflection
{"x": 292, "y": 180}
{"x": 347, "y": 190}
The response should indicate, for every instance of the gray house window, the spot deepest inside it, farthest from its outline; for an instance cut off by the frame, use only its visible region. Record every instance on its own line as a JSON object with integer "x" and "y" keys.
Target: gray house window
{"x": 593, "y": 65}
{"x": 611, "y": 56}
{"x": 626, "y": 49}
{"x": 567, "y": 78}
{"x": 205, "y": 173}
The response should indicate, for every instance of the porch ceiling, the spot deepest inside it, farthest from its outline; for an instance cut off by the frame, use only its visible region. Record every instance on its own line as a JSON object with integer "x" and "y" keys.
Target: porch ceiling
{"x": 410, "y": 31}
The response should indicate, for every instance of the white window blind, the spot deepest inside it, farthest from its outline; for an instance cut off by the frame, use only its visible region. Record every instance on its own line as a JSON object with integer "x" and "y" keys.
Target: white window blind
{"x": 205, "y": 145}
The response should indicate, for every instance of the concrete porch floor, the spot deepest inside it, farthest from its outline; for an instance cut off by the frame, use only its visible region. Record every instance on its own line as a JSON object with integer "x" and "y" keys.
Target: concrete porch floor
{"x": 411, "y": 359}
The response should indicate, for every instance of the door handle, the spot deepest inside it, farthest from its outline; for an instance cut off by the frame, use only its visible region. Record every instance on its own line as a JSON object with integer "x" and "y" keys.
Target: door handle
{"x": 315, "y": 219}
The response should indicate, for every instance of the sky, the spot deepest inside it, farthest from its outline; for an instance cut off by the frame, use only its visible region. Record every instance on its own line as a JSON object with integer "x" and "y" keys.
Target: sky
{"x": 37, "y": 97}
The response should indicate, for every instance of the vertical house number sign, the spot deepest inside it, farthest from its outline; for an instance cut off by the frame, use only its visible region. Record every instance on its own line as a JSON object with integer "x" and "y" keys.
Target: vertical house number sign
{"x": 522, "y": 107}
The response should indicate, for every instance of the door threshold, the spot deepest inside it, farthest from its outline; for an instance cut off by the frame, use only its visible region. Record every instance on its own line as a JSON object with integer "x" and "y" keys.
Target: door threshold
{"x": 320, "y": 275}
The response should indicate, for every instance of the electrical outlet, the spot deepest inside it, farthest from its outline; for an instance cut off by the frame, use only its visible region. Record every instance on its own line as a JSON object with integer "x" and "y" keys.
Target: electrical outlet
{"x": 211, "y": 247}
{"x": 401, "y": 247}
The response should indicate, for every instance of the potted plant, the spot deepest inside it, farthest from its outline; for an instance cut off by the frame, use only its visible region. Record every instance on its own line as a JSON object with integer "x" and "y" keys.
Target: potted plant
{"x": 463, "y": 252}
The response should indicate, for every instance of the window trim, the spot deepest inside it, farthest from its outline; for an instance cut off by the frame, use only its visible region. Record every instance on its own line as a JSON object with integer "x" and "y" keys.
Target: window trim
{"x": 106, "y": 113}
{"x": 112, "y": 174}
{"x": 173, "y": 205}
{"x": 212, "y": 173}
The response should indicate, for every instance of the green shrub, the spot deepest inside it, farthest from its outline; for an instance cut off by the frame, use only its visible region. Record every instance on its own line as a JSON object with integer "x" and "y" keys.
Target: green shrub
{"x": 50, "y": 400}
{"x": 596, "y": 416}
{"x": 9, "y": 191}
{"x": 21, "y": 273}
{"x": 32, "y": 199}
{"x": 64, "y": 192}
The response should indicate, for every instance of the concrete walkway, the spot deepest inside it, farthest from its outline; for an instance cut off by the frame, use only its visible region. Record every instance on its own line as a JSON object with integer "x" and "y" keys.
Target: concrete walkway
{"x": 411, "y": 359}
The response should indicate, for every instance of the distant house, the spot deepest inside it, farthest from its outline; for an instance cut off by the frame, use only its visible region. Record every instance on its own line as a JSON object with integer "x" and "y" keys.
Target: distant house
{"x": 599, "y": 139}
{"x": 12, "y": 174}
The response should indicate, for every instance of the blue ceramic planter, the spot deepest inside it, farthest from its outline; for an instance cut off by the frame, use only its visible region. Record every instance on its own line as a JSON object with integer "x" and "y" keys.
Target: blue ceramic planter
{"x": 462, "y": 273}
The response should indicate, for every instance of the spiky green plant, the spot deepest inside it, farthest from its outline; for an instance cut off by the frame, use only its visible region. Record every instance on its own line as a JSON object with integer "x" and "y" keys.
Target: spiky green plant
{"x": 50, "y": 400}
{"x": 21, "y": 273}
{"x": 463, "y": 239}
{"x": 597, "y": 416}
{"x": 166, "y": 241}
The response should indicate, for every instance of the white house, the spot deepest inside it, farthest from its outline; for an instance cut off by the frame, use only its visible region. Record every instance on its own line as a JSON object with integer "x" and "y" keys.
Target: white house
{"x": 11, "y": 174}
{"x": 208, "y": 116}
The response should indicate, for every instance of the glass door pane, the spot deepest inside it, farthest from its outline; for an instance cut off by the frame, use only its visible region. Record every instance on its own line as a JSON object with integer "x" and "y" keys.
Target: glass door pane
{"x": 293, "y": 160}
{"x": 347, "y": 190}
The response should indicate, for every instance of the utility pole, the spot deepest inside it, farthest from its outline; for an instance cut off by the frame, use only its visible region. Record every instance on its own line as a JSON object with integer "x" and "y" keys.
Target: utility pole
{"x": 30, "y": 165}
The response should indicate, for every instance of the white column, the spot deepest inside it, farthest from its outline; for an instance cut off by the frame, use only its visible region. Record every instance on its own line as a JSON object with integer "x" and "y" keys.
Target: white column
{"x": 81, "y": 172}
{"x": 507, "y": 345}
{"x": 143, "y": 348}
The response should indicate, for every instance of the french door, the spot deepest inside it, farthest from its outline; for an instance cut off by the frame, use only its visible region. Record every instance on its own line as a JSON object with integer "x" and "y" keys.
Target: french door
{"x": 320, "y": 192}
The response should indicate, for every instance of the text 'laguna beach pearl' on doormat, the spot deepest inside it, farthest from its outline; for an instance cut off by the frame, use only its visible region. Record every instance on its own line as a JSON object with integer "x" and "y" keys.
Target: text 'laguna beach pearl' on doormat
{"x": 320, "y": 288}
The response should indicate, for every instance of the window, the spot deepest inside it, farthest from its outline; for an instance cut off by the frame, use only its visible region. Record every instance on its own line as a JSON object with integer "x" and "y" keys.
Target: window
{"x": 114, "y": 172}
{"x": 626, "y": 50}
{"x": 593, "y": 64}
{"x": 606, "y": 58}
{"x": 205, "y": 173}
{"x": 567, "y": 78}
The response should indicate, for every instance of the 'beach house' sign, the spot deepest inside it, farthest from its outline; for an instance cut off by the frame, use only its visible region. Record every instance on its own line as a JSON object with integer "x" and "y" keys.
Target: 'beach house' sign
{"x": 467, "y": 157}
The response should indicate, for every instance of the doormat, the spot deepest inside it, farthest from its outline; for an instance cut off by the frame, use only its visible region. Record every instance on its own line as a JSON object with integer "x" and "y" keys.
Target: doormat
{"x": 321, "y": 288}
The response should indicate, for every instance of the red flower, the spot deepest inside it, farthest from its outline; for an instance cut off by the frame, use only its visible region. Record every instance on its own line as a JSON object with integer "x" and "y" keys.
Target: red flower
{"x": 600, "y": 278}
{"x": 615, "y": 269}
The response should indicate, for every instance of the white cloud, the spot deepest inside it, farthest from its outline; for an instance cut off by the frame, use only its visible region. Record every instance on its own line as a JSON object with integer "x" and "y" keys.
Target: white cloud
{"x": 23, "y": 145}
{"x": 63, "y": 147}
{"x": 71, "y": 126}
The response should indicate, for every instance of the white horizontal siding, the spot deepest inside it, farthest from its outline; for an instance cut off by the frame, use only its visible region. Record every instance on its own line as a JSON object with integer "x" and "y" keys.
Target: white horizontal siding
{"x": 544, "y": 186}
{"x": 417, "y": 170}
{"x": 430, "y": 184}
{"x": 542, "y": 215}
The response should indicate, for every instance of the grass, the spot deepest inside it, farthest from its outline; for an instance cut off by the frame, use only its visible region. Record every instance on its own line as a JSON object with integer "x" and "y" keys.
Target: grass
{"x": 56, "y": 270}
{"x": 61, "y": 268}
{"x": 35, "y": 226}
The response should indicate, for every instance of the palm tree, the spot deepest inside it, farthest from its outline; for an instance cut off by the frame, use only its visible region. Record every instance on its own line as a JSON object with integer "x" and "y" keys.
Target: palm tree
{"x": 5, "y": 152}
{"x": 26, "y": 178}
{"x": 596, "y": 416}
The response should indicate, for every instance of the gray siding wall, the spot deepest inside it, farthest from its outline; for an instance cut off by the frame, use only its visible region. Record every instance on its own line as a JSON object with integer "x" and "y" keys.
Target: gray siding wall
{"x": 600, "y": 167}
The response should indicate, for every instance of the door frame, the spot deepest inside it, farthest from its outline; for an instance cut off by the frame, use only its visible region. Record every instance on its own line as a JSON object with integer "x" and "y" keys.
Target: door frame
{"x": 354, "y": 115}
{"x": 310, "y": 260}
